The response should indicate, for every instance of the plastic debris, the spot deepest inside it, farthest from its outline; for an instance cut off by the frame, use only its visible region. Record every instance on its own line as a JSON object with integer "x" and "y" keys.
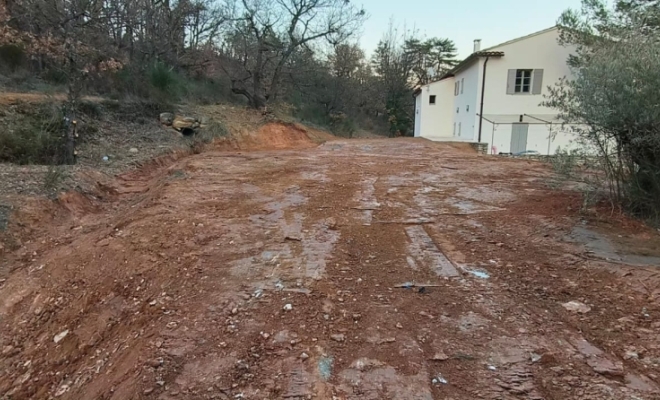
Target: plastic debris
{"x": 478, "y": 273}
{"x": 492, "y": 367}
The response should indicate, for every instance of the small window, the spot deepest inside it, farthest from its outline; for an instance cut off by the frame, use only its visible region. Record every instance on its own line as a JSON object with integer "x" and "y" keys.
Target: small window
{"x": 523, "y": 81}
{"x": 457, "y": 110}
{"x": 454, "y": 128}
{"x": 462, "y": 84}
{"x": 432, "y": 99}
{"x": 459, "y": 129}
{"x": 467, "y": 108}
{"x": 455, "y": 88}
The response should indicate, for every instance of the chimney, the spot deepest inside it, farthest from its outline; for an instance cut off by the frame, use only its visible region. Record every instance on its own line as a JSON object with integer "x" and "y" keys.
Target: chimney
{"x": 477, "y": 45}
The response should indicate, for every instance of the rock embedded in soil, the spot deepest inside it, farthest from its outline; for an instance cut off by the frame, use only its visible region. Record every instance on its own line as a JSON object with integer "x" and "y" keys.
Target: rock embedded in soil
{"x": 440, "y": 356}
{"x": 606, "y": 367}
{"x": 576, "y": 306}
{"x": 339, "y": 337}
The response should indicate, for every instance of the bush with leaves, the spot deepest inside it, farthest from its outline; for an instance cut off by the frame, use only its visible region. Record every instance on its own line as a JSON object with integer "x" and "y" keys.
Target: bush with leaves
{"x": 613, "y": 102}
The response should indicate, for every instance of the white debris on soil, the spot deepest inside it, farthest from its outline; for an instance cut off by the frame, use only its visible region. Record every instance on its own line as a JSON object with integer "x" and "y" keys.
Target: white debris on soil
{"x": 60, "y": 336}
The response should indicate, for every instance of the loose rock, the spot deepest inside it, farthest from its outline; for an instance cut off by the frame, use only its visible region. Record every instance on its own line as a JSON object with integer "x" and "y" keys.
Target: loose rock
{"x": 60, "y": 336}
{"x": 339, "y": 337}
{"x": 576, "y": 306}
{"x": 440, "y": 356}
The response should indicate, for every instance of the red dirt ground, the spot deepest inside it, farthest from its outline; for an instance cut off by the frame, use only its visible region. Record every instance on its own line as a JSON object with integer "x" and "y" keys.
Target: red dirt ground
{"x": 175, "y": 283}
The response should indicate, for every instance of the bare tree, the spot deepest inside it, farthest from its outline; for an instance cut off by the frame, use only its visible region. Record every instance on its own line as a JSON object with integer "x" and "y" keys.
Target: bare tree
{"x": 265, "y": 34}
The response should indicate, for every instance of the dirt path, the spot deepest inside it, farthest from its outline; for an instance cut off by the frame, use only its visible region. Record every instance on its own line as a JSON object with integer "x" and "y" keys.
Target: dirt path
{"x": 274, "y": 275}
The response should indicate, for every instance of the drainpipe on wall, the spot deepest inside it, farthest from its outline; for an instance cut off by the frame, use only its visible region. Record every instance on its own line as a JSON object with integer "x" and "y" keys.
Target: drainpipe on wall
{"x": 481, "y": 108}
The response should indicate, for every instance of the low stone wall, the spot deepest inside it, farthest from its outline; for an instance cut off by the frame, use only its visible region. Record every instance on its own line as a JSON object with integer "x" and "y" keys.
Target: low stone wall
{"x": 481, "y": 148}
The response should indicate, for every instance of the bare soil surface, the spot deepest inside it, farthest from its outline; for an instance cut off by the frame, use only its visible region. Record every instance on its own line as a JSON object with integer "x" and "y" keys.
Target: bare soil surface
{"x": 365, "y": 269}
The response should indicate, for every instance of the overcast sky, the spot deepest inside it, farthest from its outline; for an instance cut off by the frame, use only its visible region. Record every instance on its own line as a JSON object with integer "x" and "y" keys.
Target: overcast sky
{"x": 492, "y": 21}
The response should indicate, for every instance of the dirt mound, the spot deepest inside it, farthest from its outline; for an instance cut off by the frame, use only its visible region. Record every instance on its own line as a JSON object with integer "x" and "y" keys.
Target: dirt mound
{"x": 275, "y": 136}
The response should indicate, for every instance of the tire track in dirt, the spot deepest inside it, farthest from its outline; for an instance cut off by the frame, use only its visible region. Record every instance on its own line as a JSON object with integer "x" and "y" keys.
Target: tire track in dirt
{"x": 182, "y": 291}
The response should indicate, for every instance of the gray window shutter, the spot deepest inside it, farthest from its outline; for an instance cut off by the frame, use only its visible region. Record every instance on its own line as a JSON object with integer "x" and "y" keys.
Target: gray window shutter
{"x": 537, "y": 81}
{"x": 511, "y": 82}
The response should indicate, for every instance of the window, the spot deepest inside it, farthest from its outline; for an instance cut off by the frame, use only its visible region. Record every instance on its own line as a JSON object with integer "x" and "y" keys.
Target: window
{"x": 432, "y": 99}
{"x": 457, "y": 110}
{"x": 459, "y": 129}
{"x": 467, "y": 108}
{"x": 456, "y": 88}
{"x": 454, "y": 128}
{"x": 462, "y": 84}
{"x": 523, "y": 81}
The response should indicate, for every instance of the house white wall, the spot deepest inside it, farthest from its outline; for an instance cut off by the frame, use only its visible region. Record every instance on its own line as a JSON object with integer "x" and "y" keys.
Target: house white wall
{"x": 435, "y": 121}
{"x": 540, "y": 137}
{"x": 540, "y": 51}
{"x": 454, "y": 116}
{"x": 465, "y": 103}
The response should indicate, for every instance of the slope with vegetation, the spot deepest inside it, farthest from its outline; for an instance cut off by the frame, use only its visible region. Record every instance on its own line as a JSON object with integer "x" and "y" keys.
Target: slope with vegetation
{"x": 302, "y": 53}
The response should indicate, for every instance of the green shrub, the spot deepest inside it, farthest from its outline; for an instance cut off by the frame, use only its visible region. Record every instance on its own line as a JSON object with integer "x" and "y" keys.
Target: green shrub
{"x": 36, "y": 137}
{"x": 12, "y": 56}
{"x": 163, "y": 78}
{"x": 54, "y": 177}
{"x": 55, "y": 75}
{"x": 198, "y": 141}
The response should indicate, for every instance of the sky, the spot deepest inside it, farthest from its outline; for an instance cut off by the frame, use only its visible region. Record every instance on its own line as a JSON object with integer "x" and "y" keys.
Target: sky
{"x": 492, "y": 21}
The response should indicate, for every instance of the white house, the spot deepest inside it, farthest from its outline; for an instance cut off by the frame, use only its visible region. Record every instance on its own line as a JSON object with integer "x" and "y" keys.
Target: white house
{"x": 494, "y": 96}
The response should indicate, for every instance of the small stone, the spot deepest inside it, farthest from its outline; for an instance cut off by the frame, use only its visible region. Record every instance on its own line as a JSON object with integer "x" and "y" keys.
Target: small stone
{"x": 288, "y": 307}
{"x": 425, "y": 314}
{"x": 148, "y": 391}
{"x": 576, "y": 306}
{"x": 331, "y": 223}
{"x": 7, "y": 349}
{"x": 304, "y": 356}
{"x": 155, "y": 363}
{"x": 265, "y": 335}
{"x": 440, "y": 356}
{"x": 171, "y": 325}
{"x": 357, "y": 316}
{"x": 387, "y": 340}
{"x": 339, "y": 337}
{"x": 133, "y": 150}
{"x": 398, "y": 325}
{"x": 60, "y": 336}
{"x": 234, "y": 311}
{"x": 223, "y": 344}
{"x": 159, "y": 343}
{"x": 629, "y": 355}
